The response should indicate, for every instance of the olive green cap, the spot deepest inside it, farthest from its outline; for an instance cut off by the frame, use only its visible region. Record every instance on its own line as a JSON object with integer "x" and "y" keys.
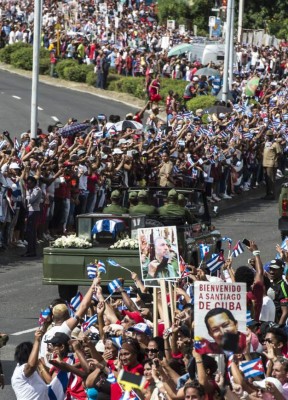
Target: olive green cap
{"x": 142, "y": 193}
{"x": 181, "y": 196}
{"x": 172, "y": 193}
{"x": 133, "y": 195}
{"x": 269, "y": 133}
{"x": 115, "y": 194}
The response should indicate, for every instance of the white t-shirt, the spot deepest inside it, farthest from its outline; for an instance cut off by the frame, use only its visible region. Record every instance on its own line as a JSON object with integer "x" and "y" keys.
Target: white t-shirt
{"x": 82, "y": 169}
{"x": 268, "y": 310}
{"x": 48, "y": 335}
{"x": 31, "y": 388}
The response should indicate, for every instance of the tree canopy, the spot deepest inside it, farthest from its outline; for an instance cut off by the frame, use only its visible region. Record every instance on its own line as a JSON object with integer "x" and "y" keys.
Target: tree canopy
{"x": 269, "y": 15}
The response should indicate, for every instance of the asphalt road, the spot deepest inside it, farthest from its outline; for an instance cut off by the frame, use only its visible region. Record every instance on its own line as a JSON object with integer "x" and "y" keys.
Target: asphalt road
{"x": 54, "y": 103}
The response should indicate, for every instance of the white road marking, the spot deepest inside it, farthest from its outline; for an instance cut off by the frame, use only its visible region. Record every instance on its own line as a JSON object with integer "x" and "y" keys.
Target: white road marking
{"x": 17, "y": 97}
{"x": 22, "y": 332}
{"x": 39, "y": 108}
{"x": 55, "y": 118}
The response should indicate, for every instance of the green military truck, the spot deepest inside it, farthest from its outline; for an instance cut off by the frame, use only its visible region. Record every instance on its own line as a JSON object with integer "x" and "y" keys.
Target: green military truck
{"x": 67, "y": 267}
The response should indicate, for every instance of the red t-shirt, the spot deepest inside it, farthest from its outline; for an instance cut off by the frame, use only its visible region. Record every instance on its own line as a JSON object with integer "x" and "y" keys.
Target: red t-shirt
{"x": 257, "y": 297}
{"x": 116, "y": 390}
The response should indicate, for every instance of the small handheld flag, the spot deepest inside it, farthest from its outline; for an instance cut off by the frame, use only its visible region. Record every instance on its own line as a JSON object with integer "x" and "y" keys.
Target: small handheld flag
{"x": 44, "y": 315}
{"x": 114, "y": 285}
{"x": 75, "y": 301}
{"x": 91, "y": 321}
{"x": 252, "y": 368}
{"x": 237, "y": 249}
{"x": 91, "y": 271}
{"x": 204, "y": 250}
{"x": 215, "y": 262}
{"x": 113, "y": 263}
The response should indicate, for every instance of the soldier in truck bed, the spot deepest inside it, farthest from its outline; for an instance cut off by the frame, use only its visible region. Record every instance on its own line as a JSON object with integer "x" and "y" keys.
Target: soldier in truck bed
{"x": 143, "y": 207}
{"x": 115, "y": 207}
{"x": 172, "y": 209}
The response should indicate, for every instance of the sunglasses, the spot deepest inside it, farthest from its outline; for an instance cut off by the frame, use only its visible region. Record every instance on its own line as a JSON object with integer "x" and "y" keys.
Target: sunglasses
{"x": 154, "y": 351}
{"x": 267, "y": 341}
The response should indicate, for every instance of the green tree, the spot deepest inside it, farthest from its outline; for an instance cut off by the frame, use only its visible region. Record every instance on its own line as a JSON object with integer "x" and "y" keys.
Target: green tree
{"x": 180, "y": 10}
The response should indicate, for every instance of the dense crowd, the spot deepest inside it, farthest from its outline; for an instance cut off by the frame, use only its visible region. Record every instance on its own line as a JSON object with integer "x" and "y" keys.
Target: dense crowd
{"x": 92, "y": 348}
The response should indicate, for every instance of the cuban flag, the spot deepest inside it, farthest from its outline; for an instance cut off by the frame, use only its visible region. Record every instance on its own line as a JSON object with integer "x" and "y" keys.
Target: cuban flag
{"x": 75, "y": 301}
{"x": 249, "y": 319}
{"x": 59, "y": 384}
{"x": 237, "y": 249}
{"x": 91, "y": 271}
{"x": 204, "y": 250}
{"x": 112, "y": 262}
{"x": 114, "y": 285}
{"x": 252, "y": 368}
{"x": 215, "y": 262}
{"x": 44, "y": 314}
{"x": 117, "y": 340}
{"x": 111, "y": 378}
{"x": 227, "y": 239}
{"x": 91, "y": 321}
{"x": 285, "y": 117}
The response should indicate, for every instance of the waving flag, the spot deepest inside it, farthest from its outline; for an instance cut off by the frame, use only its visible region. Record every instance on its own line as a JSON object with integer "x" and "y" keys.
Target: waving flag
{"x": 91, "y": 321}
{"x": 101, "y": 270}
{"x": 215, "y": 262}
{"x": 91, "y": 271}
{"x": 114, "y": 285}
{"x": 252, "y": 368}
{"x": 226, "y": 239}
{"x": 237, "y": 249}
{"x": 200, "y": 345}
{"x": 112, "y": 262}
{"x": 58, "y": 386}
{"x": 249, "y": 319}
{"x": 204, "y": 250}
{"x": 117, "y": 340}
{"x": 44, "y": 314}
{"x": 75, "y": 301}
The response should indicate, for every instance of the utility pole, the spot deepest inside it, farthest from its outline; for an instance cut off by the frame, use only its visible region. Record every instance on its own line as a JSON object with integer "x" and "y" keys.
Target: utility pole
{"x": 35, "y": 71}
{"x": 227, "y": 50}
{"x": 231, "y": 48}
{"x": 240, "y": 21}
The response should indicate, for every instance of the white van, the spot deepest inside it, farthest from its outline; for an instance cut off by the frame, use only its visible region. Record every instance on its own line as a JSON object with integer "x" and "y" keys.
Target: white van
{"x": 205, "y": 53}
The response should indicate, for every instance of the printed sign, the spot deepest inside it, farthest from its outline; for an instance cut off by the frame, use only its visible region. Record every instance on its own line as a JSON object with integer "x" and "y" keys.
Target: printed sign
{"x": 159, "y": 254}
{"x": 220, "y": 312}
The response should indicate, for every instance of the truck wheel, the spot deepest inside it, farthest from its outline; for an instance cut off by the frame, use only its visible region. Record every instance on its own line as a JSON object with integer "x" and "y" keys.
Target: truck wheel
{"x": 284, "y": 234}
{"x": 66, "y": 292}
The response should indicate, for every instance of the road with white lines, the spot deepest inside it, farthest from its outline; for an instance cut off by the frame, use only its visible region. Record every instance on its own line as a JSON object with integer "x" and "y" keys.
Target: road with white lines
{"x": 54, "y": 103}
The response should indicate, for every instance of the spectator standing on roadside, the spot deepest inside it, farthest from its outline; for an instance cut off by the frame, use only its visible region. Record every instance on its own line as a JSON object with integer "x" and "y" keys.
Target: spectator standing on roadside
{"x": 33, "y": 200}
{"x": 271, "y": 153}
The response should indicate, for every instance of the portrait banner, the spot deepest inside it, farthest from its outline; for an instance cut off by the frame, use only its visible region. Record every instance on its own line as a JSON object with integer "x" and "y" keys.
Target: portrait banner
{"x": 159, "y": 254}
{"x": 220, "y": 317}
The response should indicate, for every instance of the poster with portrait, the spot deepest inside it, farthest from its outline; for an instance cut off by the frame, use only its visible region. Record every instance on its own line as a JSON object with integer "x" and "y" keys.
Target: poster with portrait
{"x": 159, "y": 254}
{"x": 220, "y": 312}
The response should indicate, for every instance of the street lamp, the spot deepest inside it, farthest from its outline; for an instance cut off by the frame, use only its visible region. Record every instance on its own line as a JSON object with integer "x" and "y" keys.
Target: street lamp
{"x": 35, "y": 71}
{"x": 229, "y": 49}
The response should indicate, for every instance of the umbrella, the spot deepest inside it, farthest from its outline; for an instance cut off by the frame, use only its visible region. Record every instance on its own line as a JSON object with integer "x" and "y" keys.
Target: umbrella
{"x": 251, "y": 86}
{"x": 70, "y": 130}
{"x": 122, "y": 125}
{"x": 208, "y": 72}
{"x": 180, "y": 49}
{"x": 218, "y": 110}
